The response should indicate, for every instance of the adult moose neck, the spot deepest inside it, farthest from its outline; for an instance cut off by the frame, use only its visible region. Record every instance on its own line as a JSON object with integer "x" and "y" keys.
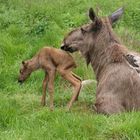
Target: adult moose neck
{"x": 102, "y": 51}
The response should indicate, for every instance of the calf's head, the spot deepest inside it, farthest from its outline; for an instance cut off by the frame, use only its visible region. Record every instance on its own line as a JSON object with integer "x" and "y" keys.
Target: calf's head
{"x": 24, "y": 72}
{"x": 80, "y": 38}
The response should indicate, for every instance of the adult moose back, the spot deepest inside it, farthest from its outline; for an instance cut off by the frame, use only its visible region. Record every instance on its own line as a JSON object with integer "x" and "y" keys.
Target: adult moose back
{"x": 118, "y": 83}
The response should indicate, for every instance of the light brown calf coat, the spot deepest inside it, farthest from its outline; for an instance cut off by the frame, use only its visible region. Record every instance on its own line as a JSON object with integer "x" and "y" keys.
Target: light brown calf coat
{"x": 52, "y": 60}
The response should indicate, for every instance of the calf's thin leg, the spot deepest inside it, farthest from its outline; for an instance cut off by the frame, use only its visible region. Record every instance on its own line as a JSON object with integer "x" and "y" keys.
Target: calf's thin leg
{"x": 78, "y": 80}
{"x": 76, "y": 84}
{"x": 44, "y": 86}
{"x": 51, "y": 76}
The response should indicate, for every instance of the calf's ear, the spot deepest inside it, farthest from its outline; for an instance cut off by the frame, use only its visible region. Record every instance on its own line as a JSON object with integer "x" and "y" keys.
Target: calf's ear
{"x": 115, "y": 16}
{"x": 23, "y": 62}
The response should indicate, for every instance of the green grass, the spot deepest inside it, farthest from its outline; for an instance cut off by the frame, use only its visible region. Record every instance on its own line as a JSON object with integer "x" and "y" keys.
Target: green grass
{"x": 26, "y": 26}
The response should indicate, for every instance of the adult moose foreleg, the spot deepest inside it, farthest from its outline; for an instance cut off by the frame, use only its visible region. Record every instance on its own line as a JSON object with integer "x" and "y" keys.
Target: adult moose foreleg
{"x": 108, "y": 105}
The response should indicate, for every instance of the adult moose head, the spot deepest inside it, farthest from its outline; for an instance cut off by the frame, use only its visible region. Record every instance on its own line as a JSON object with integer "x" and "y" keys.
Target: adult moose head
{"x": 74, "y": 41}
{"x": 118, "y": 84}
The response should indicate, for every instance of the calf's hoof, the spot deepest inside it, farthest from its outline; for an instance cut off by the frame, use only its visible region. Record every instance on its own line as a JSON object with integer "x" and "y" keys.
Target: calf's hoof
{"x": 67, "y": 109}
{"x": 94, "y": 108}
{"x": 51, "y": 108}
{"x": 76, "y": 99}
{"x": 43, "y": 103}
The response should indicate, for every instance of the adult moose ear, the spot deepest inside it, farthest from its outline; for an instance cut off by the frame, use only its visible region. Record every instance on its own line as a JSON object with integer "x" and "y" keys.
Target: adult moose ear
{"x": 92, "y": 15}
{"x": 115, "y": 16}
{"x": 95, "y": 20}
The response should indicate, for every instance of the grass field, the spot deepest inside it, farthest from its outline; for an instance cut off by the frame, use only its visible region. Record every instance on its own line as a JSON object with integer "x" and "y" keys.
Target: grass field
{"x": 26, "y": 26}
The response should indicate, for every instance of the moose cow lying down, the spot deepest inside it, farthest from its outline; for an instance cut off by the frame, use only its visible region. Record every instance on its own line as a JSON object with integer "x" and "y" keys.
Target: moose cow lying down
{"x": 118, "y": 81}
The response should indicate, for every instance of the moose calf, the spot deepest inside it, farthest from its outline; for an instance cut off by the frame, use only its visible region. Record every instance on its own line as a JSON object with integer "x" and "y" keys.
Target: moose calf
{"x": 51, "y": 60}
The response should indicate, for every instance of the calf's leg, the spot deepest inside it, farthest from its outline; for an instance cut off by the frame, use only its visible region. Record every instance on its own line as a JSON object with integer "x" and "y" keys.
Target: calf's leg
{"x": 44, "y": 86}
{"x": 51, "y": 76}
{"x": 76, "y": 84}
{"x": 78, "y": 79}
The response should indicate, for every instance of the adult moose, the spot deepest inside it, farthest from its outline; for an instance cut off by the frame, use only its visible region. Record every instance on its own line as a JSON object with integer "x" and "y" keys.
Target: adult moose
{"x": 118, "y": 82}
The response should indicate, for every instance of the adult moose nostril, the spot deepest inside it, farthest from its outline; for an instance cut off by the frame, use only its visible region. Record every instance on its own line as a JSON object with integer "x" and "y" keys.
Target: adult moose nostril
{"x": 62, "y": 47}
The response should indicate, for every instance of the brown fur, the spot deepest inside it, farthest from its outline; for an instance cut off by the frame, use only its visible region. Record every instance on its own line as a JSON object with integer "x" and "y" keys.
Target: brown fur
{"x": 118, "y": 84}
{"x": 52, "y": 60}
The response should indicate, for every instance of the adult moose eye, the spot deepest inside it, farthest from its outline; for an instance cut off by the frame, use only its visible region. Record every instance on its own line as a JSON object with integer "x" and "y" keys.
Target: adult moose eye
{"x": 83, "y": 31}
